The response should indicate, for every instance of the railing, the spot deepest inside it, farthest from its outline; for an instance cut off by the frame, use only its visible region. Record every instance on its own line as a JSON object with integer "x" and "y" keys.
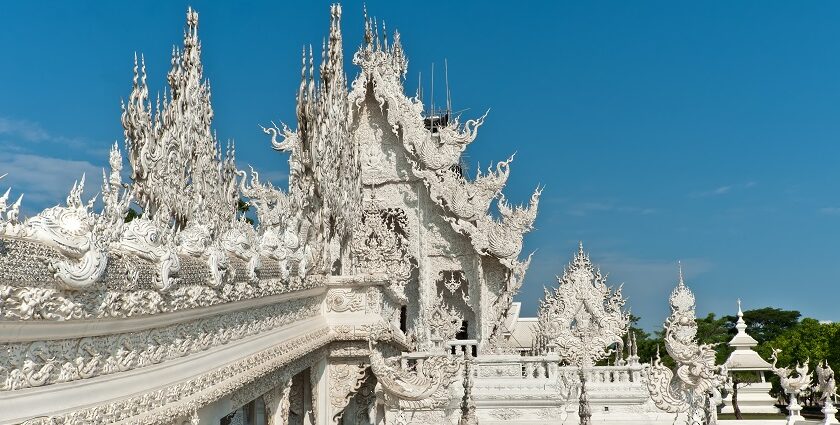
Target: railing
{"x": 512, "y": 366}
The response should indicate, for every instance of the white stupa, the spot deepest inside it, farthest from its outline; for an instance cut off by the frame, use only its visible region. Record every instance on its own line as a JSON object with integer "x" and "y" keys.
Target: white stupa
{"x": 752, "y": 397}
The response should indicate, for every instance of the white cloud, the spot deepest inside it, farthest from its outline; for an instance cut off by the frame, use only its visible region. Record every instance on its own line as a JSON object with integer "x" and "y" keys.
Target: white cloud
{"x": 20, "y": 135}
{"x": 829, "y": 210}
{"x": 45, "y": 181}
{"x": 723, "y": 190}
{"x": 26, "y": 130}
{"x": 581, "y": 209}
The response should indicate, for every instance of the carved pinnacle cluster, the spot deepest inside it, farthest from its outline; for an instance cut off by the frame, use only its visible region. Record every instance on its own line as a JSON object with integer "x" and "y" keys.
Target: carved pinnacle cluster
{"x": 178, "y": 168}
{"x": 324, "y": 175}
{"x": 583, "y": 317}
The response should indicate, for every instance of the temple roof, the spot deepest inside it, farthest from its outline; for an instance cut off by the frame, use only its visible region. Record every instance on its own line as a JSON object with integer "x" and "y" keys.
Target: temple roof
{"x": 744, "y": 358}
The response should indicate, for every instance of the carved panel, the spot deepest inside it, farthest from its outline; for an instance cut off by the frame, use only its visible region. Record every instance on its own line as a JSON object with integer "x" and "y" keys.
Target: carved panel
{"x": 46, "y": 362}
{"x": 340, "y": 300}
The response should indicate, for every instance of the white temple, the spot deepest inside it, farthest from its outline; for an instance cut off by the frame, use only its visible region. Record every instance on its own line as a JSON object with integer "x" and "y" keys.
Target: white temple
{"x": 376, "y": 289}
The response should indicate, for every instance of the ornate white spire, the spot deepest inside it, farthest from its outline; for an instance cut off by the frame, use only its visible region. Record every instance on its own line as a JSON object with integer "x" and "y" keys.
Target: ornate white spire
{"x": 324, "y": 178}
{"x": 178, "y": 168}
{"x": 694, "y": 387}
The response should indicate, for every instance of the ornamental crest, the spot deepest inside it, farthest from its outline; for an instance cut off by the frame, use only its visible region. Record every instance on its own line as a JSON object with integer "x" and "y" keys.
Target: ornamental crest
{"x": 379, "y": 245}
{"x": 584, "y": 317}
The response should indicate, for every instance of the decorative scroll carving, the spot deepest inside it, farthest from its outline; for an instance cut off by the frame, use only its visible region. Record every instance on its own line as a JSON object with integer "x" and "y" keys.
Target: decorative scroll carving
{"x": 38, "y": 303}
{"x": 423, "y": 387}
{"x": 341, "y": 300}
{"x": 179, "y": 400}
{"x": 506, "y": 414}
{"x": 47, "y": 362}
{"x": 583, "y": 318}
{"x": 694, "y": 389}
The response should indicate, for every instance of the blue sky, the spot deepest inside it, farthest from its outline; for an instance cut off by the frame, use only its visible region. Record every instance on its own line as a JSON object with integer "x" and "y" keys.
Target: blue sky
{"x": 705, "y": 132}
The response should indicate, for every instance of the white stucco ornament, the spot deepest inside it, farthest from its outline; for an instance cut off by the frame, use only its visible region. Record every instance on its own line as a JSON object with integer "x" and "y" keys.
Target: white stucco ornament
{"x": 143, "y": 238}
{"x": 583, "y": 318}
{"x": 694, "y": 387}
{"x": 827, "y": 386}
{"x": 793, "y": 381}
{"x": 74, "y": 231}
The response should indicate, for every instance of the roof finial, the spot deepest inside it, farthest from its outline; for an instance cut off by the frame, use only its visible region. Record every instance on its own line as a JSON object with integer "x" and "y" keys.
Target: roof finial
{"x": 682, "y": 280}
{"x": 741, "y": 325}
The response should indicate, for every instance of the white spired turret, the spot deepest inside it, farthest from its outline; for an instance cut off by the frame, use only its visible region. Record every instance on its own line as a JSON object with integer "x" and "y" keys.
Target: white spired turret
{"x": 753, "y": 394}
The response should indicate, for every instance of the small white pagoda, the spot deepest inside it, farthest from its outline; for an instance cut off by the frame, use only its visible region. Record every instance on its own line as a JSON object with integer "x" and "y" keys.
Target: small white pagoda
{"x": 753, "y": 397}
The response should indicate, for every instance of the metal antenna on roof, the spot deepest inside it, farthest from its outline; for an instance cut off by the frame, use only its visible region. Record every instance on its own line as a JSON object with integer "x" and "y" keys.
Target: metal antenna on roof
{"x": 433, "y": 92}
{"x": 420, "y": 86}
{"x": 448, "y": 94}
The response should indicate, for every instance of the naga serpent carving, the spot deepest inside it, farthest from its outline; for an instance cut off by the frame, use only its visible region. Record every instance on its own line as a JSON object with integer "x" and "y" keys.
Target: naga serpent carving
{"x": 694, "y": 389}
{"x": 417, "y": 388}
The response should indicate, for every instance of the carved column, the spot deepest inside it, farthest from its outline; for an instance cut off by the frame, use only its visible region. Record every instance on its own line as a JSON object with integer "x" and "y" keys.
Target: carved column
{"x": 319, "y": 381}
{"x": 277, "y": 404}
{"x": 344, "y": 381}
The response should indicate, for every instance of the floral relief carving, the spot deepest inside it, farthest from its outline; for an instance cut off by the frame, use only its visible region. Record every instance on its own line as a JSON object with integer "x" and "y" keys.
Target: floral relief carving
{"x": 506, "y": 414}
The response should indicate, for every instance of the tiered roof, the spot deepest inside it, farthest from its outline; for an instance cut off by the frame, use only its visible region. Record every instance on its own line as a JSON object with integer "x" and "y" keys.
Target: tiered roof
{"x": 744, "y": 358}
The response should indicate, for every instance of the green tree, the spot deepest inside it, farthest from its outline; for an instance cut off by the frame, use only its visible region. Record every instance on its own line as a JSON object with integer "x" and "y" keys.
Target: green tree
{"x": 807, "y": 340}
{"x": 765, "y": 324}
{"x": 243, "y": 207}
{"x": 714, "y": 330}
{"x": 131, "y": 214}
